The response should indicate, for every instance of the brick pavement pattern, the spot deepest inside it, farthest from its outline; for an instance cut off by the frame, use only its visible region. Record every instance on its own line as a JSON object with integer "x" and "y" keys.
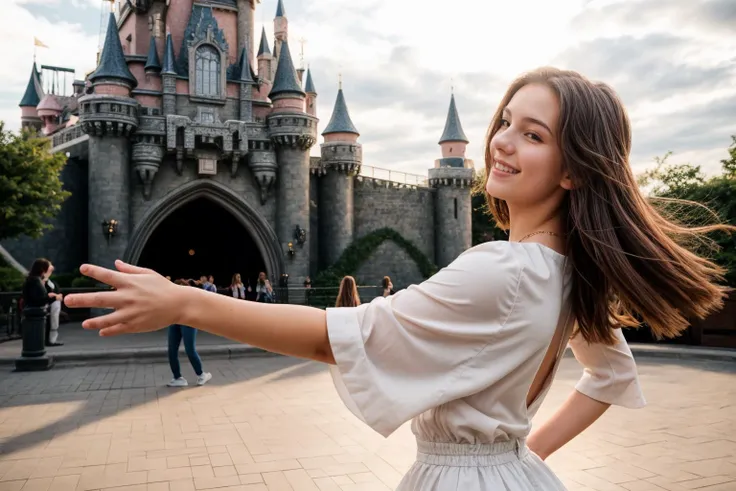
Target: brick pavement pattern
{"x": 276, "y": 423}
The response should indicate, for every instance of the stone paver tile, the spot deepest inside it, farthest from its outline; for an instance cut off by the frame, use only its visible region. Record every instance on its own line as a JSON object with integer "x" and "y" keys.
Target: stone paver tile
{"x": 708, "y": 482}
{"x": 40, "y": 484}
{"x": 157, "y": 486}
{"x": 215, "y": 482}
{"x": 276, "y": 481}
{"x": 365, "y": 486}
{"x": 711, "y": 468}
{"x": 278, "y": 465}
{"x": 641, "y": 486}
{"x": 182, "y": 485}
{"x": 250, "y": 478}
{"x": 220, "y": 459}
{"x": 179, "y": 473}
{"x": 225, "y": 471}
{"x": 64, "y": 483}
{"x": 300, "y": 480}
{"x": 341, "y": 480}
{"x": 326, "y": 484}
{"x": 146, "y": 464}
{"x": 202, "y": 471}
{"x": 176, "y": 461}
{"x": 12, "y": 485}
{"x": 103, "y": 481}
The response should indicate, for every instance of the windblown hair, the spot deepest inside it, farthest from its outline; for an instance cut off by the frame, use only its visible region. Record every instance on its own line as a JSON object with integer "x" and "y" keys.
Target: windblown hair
{"x": 39, "y": 267}
{"x": 348, "y": 294}
{"x": 385, "y": 281}
{"x": 628, "y": 260}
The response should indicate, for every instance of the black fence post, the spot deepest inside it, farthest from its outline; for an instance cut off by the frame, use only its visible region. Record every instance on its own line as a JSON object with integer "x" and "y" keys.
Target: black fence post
{"x": 33, "y": 357}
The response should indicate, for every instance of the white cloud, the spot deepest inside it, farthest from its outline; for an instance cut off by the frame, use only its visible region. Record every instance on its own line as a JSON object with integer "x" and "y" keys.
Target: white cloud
{"x": 667, "y": 58}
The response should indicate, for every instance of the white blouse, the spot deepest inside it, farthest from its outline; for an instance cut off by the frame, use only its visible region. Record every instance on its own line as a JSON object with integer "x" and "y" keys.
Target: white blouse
{"x": 458, "y": 353}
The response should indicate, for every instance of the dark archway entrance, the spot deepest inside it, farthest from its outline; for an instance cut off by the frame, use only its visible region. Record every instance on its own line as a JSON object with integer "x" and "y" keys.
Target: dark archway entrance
{"x": 201, "y": 238}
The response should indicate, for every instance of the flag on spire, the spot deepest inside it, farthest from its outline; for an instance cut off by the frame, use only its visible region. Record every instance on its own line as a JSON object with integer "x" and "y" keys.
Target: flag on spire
{"x": 37, "y": 42}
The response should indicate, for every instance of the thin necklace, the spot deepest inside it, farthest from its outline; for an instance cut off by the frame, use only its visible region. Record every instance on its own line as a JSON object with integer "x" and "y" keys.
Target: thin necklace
{"x": 539, "y": 232}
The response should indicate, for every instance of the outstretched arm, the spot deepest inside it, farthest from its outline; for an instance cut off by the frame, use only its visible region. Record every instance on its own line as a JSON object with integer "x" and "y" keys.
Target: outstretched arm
{"x": 145, "y": 301}
{"x": 575, "y": 415}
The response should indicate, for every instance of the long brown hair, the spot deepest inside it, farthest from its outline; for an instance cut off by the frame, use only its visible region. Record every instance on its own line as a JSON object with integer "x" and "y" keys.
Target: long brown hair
{"x": 627, "y": 257}
{"x": 348, "y": 294}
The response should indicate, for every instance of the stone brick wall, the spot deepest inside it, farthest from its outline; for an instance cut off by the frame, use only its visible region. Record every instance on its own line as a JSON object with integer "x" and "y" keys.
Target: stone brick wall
{"x": 389, "y": 259}
{"x": 408, "y": 211}
{"x": 314, "y": 241}
{"x": 453, "y": 222}
{"x": 66, "y": 243}
{"x": 337, "y": 215}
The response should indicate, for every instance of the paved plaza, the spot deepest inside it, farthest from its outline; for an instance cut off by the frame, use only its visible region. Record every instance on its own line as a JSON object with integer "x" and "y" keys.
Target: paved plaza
{"x": 276, "y": 423}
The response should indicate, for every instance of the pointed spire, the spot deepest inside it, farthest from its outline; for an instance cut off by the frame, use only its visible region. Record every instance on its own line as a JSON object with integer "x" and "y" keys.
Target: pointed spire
{"x": 169, "y": 62}
{"x": 280, "y": 10}
{"x": 264, "y": 49}
{"x": 340, "y": 121}
{"x": 152, "y": 62}
{"x": 34, "y": 91}
{"x": 286, "y": 80}
{"x": 246, "y": 69}
{"x": 453, "y": 129}
{"x": 112, "y": 61}
{"x": 309, "y": 85}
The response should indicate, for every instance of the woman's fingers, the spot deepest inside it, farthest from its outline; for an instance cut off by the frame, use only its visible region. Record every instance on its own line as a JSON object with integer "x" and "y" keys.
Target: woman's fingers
{"x": 116, "y": 330}
{"x": 105, "y": 321}
{"x": 102, "y": 300}
{"x": 124, "y": 267}
{"x": 103, "y": 275}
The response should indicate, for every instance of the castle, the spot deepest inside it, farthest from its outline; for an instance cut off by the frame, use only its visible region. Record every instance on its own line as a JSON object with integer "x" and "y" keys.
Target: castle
{"x": 185, "y": 158}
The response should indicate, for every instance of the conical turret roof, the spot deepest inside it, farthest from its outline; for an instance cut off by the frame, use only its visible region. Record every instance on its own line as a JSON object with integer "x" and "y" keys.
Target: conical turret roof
{"x": 246, "y": 69}
{"x": 34, "y": 91}
{"x": 309, "y": 84}
{"x": 340, "y": 121}
{"x": 280, "y": 10}
{"x": 112, "y": 61}
{"x": 453, "y": 129}
{"x": 169, "y": 65}
{"x": 285, "y": 80}
{"x": 263, "y": 49}
{"x": 152, "y": 62}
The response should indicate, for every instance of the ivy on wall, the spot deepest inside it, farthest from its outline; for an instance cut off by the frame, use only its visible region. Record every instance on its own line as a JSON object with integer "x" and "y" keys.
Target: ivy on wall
{"x": 360, "y": 250}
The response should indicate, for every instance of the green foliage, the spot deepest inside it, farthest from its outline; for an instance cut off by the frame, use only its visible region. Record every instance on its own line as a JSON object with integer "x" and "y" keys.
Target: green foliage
{"x": 484, "y": 226}
{"x": 83, "y": 282}
{"x": 30, "y": 187}
{"x": 718, "y": 194}
{"x": 11, "y": 280}
{"x": 360, "y": 250}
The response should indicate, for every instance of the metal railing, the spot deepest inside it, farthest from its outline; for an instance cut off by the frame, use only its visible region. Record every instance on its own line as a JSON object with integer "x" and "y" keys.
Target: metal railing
{"x": 66, "y": 135}
{"x": 394, "y": 176}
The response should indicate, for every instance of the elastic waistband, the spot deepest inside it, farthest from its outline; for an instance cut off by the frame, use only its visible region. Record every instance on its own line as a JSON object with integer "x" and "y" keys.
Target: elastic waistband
{"x": 471, "y": 455}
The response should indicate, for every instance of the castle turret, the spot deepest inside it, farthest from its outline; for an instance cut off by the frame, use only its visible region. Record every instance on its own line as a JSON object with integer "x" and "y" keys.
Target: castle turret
{"x": 293, "y": 132}
{"x": 247, "y": 81}
{"x": 49, "y": 110}
{"x": 31, "y": 98}
{"x": 168, "y": 78}
{"x": 311, "y": 94}
{"x": 109, "y": 116}
{"x": 452, "y": 177}
{"x": 280, "y": 31}
{"x": 153, "y": 65}
{"x": 246, "y": 26}
{"x": 342, "y": 157}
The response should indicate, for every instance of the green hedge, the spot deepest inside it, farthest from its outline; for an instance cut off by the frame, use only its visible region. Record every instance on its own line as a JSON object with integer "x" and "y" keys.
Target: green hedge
{"x": 11, "y": 280}
{"x": 360, "y": 250}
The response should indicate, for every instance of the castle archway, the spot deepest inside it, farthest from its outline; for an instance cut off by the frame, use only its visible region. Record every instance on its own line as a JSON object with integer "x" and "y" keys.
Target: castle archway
{"x": 205, "y": 228}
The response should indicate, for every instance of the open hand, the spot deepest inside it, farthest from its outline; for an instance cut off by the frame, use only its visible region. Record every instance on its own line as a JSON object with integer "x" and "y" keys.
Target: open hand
{"x": 143, "y": 300}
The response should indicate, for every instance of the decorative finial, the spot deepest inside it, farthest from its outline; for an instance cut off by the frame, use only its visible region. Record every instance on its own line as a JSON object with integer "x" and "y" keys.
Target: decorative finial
{"x": 302, "y": 42}
{"x": 452, "y": 86}
{"x": 339, "y": 80}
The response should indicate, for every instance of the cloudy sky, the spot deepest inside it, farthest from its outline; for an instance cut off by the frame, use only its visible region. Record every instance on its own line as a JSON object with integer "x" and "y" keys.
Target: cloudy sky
{"x": 672, "y": 61}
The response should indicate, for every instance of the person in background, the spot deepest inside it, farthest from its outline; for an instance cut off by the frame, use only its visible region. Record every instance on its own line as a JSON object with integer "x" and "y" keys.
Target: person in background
{"x": 177, "y": 332}
{"x": 388, "y": 287}
{"x": 264, "y": 290}
{"x": 237, "y": 288}
{"x": 208, "y": 283}
{"x": 52, "y": 329}
{"x": 348, "y": 294}
{"x": 34, "y": 291}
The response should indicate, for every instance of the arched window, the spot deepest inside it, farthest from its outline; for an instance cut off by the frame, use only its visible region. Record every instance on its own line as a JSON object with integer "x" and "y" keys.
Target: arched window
{"x": 207, "y": 71}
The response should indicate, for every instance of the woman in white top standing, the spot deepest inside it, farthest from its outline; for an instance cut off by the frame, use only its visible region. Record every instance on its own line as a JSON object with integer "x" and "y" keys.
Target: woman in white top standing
{"x": 264, "y": 290}
{"x": 469, "y": 354}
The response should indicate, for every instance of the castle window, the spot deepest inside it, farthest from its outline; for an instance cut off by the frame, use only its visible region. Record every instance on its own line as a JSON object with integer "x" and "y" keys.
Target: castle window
{"x": 207, "y": 71}
{"x": 455, "y": 208}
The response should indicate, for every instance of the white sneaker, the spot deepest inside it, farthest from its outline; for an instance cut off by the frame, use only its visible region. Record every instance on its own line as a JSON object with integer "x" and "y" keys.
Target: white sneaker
{"x": 178, "y": 382}
{"x": 204, "y": 378}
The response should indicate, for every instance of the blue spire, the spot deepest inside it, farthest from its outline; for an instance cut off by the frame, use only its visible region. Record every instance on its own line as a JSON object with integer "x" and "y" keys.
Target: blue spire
{"x": 264, "y": 49}
{"x": 246, "y": 69}
{"x": 340, "y": 121}
{"x": 280, "y": 10}
{"x": 309, "y": 84}
{"x": 453, "y": 129}
{"x": 285, "y": 80}
{"x": 34, "y": 92}
{"x": 112, "y": 61}
{"x": 152, "y": 62}
{"x": 169, "y": 62}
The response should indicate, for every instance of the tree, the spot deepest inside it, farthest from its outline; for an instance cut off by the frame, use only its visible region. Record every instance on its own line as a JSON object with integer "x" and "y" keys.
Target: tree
{"x": 30, "y": 186}
{"x": 483, "y": 224}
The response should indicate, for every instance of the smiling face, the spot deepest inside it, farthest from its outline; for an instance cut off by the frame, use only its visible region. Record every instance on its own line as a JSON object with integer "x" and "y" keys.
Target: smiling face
{"x": 526, "y": 162}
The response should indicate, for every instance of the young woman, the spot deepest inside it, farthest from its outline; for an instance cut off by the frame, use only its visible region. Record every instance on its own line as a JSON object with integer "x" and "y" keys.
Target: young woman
{"x": 388, "y": 287}
{"x": 264, "y": 290}
{"x": 469, "y": 354}
{"x": 237, "y": 288}
{"x": 177, "y": 332}
{"x": 348, "y": 296}
{"x": 34, "y": 292}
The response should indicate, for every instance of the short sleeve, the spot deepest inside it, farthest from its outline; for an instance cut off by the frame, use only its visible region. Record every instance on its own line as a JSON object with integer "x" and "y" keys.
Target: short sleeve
{"x": 401, "y": 355}
{"x": 610, "y": 374}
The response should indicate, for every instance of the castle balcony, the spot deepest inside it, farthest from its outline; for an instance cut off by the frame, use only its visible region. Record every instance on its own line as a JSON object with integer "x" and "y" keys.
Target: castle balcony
{"x": 72, "y": 140}
{"x": 378, "y": 175}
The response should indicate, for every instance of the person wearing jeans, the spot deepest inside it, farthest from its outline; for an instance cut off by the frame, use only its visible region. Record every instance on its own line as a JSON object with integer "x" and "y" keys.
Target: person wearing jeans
{"x": 178, "y": 332}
